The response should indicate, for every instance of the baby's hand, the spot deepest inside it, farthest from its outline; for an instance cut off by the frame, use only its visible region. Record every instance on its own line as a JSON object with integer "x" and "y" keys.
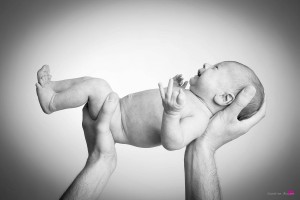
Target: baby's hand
{"x": 178, "y": 81}
{"x": 173, "y": 101}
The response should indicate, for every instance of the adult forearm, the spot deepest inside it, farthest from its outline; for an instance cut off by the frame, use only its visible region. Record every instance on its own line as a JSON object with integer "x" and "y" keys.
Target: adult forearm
{"x": 91, "y": 181}
{"x": 201, "y": 178}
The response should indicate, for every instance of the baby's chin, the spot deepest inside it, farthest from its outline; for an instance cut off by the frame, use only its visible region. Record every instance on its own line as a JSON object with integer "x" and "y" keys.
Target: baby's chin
{"x": 193, "y": 80}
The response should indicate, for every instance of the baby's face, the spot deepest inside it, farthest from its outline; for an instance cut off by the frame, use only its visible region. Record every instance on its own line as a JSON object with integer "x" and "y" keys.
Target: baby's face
{"x": 212, "y": 79}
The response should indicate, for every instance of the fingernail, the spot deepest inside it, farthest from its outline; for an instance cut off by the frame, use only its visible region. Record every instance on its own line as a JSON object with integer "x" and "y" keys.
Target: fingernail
{"x": 250, "y": 90}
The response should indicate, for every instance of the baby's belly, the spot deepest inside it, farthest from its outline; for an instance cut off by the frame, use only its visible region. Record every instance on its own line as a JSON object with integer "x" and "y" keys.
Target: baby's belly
{"x": 141, "y": 117}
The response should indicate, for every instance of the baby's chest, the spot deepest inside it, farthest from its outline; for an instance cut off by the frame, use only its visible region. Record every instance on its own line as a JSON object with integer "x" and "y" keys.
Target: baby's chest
{"x": 189, "y": 110}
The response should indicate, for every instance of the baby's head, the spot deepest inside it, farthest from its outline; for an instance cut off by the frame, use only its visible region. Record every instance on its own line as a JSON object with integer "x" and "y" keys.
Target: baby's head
{"x": 218, "y": 85}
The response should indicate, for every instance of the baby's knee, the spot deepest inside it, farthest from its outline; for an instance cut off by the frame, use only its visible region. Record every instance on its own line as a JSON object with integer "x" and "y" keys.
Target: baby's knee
{"x": 84, "y": 78}
{"x": 98, "y": 87}
{"x": 98, "y": 84}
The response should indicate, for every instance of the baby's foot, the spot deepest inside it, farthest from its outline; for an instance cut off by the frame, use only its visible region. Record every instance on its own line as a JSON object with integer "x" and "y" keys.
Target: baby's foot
{"x": 43, "y": 75}
{"x": 44, "y": 91}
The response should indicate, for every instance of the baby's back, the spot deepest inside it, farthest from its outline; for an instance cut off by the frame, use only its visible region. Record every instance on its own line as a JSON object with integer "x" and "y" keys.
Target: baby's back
{"x": 141, "y": 117}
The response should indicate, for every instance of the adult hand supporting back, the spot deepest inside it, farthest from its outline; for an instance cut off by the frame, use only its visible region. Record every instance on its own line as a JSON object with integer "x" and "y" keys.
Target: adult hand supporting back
{"x": 201, "y": 180}
{"x": 102, "y": 158}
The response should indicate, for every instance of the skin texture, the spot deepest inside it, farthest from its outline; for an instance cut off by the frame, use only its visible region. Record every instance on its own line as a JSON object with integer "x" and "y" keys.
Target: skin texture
{"x": 201, "y": 180}
{"x": 215, "y": 84}
{"x": 201, "y": 175}
{"x": 200, "y": 169}
{"x": 138, "y": 118}
{"x": 176, "y": 131}
{"x": 102, "y": 158}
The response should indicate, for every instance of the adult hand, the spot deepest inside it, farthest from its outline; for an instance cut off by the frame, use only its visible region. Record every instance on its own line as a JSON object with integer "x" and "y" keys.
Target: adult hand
{"x": 201, "y": 179}
{"x": 224, "y": 125}
{"x": 99, "y": 139}
{"x": 102, "y": 159}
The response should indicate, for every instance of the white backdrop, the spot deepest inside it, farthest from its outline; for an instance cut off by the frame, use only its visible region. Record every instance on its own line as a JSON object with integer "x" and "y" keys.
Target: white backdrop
{"x": 134, "y": 45}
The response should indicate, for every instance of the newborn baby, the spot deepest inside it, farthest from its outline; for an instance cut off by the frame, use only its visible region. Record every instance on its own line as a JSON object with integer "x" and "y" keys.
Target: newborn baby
{"x": 140, "y": 119}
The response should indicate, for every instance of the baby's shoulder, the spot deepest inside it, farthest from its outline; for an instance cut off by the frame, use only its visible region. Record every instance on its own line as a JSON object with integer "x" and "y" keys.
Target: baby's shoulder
{"x": 196, "y": 109}
{"x": 200, "y": 115}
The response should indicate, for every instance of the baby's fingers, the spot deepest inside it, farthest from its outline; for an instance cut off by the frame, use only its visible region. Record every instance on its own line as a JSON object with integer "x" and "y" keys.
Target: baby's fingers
{"x": 177, "y": 76}
{"x": 180, "y": 100}
{"x": 161, "y": 91}
{"x": 174, "y": 97}
{"x": 185, "y": 84}
{"x": 168, "y": 95}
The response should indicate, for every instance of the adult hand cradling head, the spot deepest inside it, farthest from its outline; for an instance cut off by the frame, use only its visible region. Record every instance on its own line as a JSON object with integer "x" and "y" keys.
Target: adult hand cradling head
{"x": 225, "y": 126}
{"x": 201, "y": 179}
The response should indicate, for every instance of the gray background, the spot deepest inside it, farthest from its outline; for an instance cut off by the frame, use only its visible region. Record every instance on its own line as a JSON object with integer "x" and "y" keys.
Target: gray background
{"x": 134, "y": 45}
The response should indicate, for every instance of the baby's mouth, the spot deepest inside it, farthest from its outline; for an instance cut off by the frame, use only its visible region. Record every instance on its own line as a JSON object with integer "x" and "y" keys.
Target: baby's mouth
{"x": 199, "y": 73}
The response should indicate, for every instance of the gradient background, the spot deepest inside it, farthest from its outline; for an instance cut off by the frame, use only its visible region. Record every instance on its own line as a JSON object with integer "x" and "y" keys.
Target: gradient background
{"x": 134, "y": 45}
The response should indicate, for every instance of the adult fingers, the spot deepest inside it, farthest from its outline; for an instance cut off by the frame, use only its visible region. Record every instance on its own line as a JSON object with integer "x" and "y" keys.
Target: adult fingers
{"x": 241, "y": 101}
{"x": 261, "y": 113}
{"x": 106, "y": 112}
{"x": 86, "y": 118}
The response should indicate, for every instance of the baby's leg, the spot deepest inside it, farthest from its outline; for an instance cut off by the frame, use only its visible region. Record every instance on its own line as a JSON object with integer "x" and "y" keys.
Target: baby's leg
{"x": 92, "y": 90}
{"x": 58, "y": 86}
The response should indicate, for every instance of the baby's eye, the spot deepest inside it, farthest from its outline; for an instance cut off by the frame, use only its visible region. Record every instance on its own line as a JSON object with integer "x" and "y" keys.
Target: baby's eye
{"x": 216, "y": 67}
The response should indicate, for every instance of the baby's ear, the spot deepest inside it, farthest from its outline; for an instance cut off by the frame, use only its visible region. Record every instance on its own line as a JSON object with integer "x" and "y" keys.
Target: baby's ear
{"x": 224, "y": 99}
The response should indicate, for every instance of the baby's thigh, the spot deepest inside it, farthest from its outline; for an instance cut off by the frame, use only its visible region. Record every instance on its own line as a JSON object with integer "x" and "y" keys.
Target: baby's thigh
{"x": 99, "y": 90}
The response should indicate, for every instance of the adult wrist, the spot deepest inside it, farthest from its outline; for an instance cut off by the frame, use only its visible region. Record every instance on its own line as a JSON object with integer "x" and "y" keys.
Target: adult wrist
{"x": 205, "y": 146}
{"x": 106, "y": 162}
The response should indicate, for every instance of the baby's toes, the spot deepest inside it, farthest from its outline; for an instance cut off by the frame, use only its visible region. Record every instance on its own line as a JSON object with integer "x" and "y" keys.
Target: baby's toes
{"x": 42, "y": 80}
{"x": 49, "y": 77}
{"x": 46, "y": 68}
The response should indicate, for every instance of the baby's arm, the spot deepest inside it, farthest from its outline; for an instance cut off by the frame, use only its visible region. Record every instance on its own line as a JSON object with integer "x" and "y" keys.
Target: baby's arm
{"x": 175, "y": 131}
{"x": 173, "y": 103}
